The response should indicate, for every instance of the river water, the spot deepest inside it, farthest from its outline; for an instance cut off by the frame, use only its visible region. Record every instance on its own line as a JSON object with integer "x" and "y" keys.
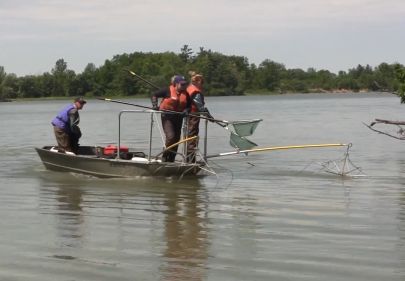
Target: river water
{"x": 266, "y": 216}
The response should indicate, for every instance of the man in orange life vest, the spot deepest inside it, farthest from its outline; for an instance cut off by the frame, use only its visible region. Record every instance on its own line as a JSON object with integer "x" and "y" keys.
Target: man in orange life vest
{"x": 174, "y": 99}
{"x": 195, "y": 90}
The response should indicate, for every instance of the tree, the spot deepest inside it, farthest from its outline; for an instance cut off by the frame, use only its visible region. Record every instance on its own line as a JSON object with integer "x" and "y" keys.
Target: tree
{"x": 29, "y": 87}
{"x": 62, "y": 78}
{"x": 400, "y": 74}
{"x": 294, "y": 80}
{"x": 186, "y": 54}
{"x": 60, "y": 67}
{"x": 384, "y": 78}
{"x": 2, "y": 78}
{"x": 269, "y": 75}
{"x": 47, "y": 83}
{"x": 224, "y": 75}
{"x": 87, "y": 81}
{"x": 325, "y": 79}
{"x": 8, "y": 85}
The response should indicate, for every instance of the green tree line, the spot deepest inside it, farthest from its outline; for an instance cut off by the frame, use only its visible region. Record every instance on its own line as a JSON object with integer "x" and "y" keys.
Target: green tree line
{"x": 224, "y": 75}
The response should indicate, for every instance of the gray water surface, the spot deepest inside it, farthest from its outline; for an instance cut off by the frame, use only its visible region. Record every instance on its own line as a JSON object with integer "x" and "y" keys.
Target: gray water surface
{"x": 267, "y": 216}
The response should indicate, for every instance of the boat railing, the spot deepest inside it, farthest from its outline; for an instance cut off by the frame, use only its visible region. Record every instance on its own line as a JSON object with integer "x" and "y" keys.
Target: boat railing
{"x": 153, "y": 113}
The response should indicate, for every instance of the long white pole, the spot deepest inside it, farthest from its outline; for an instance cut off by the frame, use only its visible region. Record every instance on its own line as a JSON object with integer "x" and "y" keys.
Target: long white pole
{"x": 276, "y": 148}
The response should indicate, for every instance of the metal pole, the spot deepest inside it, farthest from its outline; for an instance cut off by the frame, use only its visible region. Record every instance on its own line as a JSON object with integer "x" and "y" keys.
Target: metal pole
{"x": 185, "y": 135}
{"x": 119, "y": 134}
{"x": 150, "y": 136}
{"x": 205, "y": 139}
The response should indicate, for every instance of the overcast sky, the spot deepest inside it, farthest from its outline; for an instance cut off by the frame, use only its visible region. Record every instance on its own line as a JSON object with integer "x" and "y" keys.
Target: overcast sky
{"x": 324, "y": 34}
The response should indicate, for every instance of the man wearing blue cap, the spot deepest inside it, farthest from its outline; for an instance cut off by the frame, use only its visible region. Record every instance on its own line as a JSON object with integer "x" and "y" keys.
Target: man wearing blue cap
{"x": 175, "y": 104}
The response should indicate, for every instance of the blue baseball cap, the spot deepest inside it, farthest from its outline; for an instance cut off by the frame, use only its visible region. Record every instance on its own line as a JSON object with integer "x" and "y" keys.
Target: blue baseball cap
{"x": 178, "y": 79}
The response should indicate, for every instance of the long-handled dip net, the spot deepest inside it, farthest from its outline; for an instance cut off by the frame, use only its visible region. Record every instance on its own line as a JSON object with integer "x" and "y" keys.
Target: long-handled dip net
{"x": 240, "y": 130}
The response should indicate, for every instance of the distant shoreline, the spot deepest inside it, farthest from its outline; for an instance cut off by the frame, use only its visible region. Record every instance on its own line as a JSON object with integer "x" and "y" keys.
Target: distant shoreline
{"x": 313, "y": 91}
{"x": 317, "y": 91}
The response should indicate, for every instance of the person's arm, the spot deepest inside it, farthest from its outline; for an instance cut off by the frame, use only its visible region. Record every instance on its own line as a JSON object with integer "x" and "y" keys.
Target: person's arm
{"x": 162, "y": 93}
{"x": 74, "y": 120}
{"x": 198, "y": 100}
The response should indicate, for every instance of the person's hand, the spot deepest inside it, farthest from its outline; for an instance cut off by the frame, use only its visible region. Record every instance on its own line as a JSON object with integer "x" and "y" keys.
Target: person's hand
{"x": 208, "y": 115}
{"x": 77, "y": 134}
{"x": 185, "y": 113}
{"x": 155, "y": 106}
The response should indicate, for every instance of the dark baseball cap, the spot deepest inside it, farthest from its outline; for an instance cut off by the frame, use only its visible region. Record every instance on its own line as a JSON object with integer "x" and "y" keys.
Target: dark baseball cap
{"x": 80, "y": 100}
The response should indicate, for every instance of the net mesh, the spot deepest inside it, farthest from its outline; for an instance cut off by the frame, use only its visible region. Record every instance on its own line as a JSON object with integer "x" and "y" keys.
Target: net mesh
{"x": 245, "y": 128}
{"x": 241, "y": 129}
{"x": 241, "y": 142}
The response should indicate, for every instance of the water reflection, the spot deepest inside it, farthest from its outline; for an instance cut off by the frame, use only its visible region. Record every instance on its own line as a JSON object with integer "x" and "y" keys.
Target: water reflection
{"x": 186, "y": 235}
{"x": 70, "y": 210}
{"x": 401, "y": 221}
{"x": 64, "y": 201}
{"x": 79, "y": 207}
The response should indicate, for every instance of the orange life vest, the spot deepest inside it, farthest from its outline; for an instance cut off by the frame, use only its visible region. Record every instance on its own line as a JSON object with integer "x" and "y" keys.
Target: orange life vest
{"x": 176, "y": 101}
{"x": 193, "y": 89}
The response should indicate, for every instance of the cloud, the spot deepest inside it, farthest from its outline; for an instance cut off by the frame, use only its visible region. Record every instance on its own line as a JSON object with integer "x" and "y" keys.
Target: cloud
{"x": 121, "y": 18}
{"x": 258, "y": 29}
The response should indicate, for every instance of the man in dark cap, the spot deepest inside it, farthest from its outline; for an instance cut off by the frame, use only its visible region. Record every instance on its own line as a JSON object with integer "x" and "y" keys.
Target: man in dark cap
{"x": 66, "y": 126}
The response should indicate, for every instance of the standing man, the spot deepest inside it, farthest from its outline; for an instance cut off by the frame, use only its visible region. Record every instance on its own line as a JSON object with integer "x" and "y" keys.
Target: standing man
{"x": 174, "y": 99}
{"x": 66, "y": 126}
{"x": 195, "y": 91}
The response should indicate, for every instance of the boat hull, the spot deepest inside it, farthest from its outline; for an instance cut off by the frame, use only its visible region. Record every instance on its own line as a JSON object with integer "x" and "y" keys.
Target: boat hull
{"x": 90, "y": 163}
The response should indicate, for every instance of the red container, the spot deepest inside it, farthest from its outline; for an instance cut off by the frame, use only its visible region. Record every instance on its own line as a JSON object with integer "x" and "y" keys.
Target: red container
{"x": 111, "y": 149}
